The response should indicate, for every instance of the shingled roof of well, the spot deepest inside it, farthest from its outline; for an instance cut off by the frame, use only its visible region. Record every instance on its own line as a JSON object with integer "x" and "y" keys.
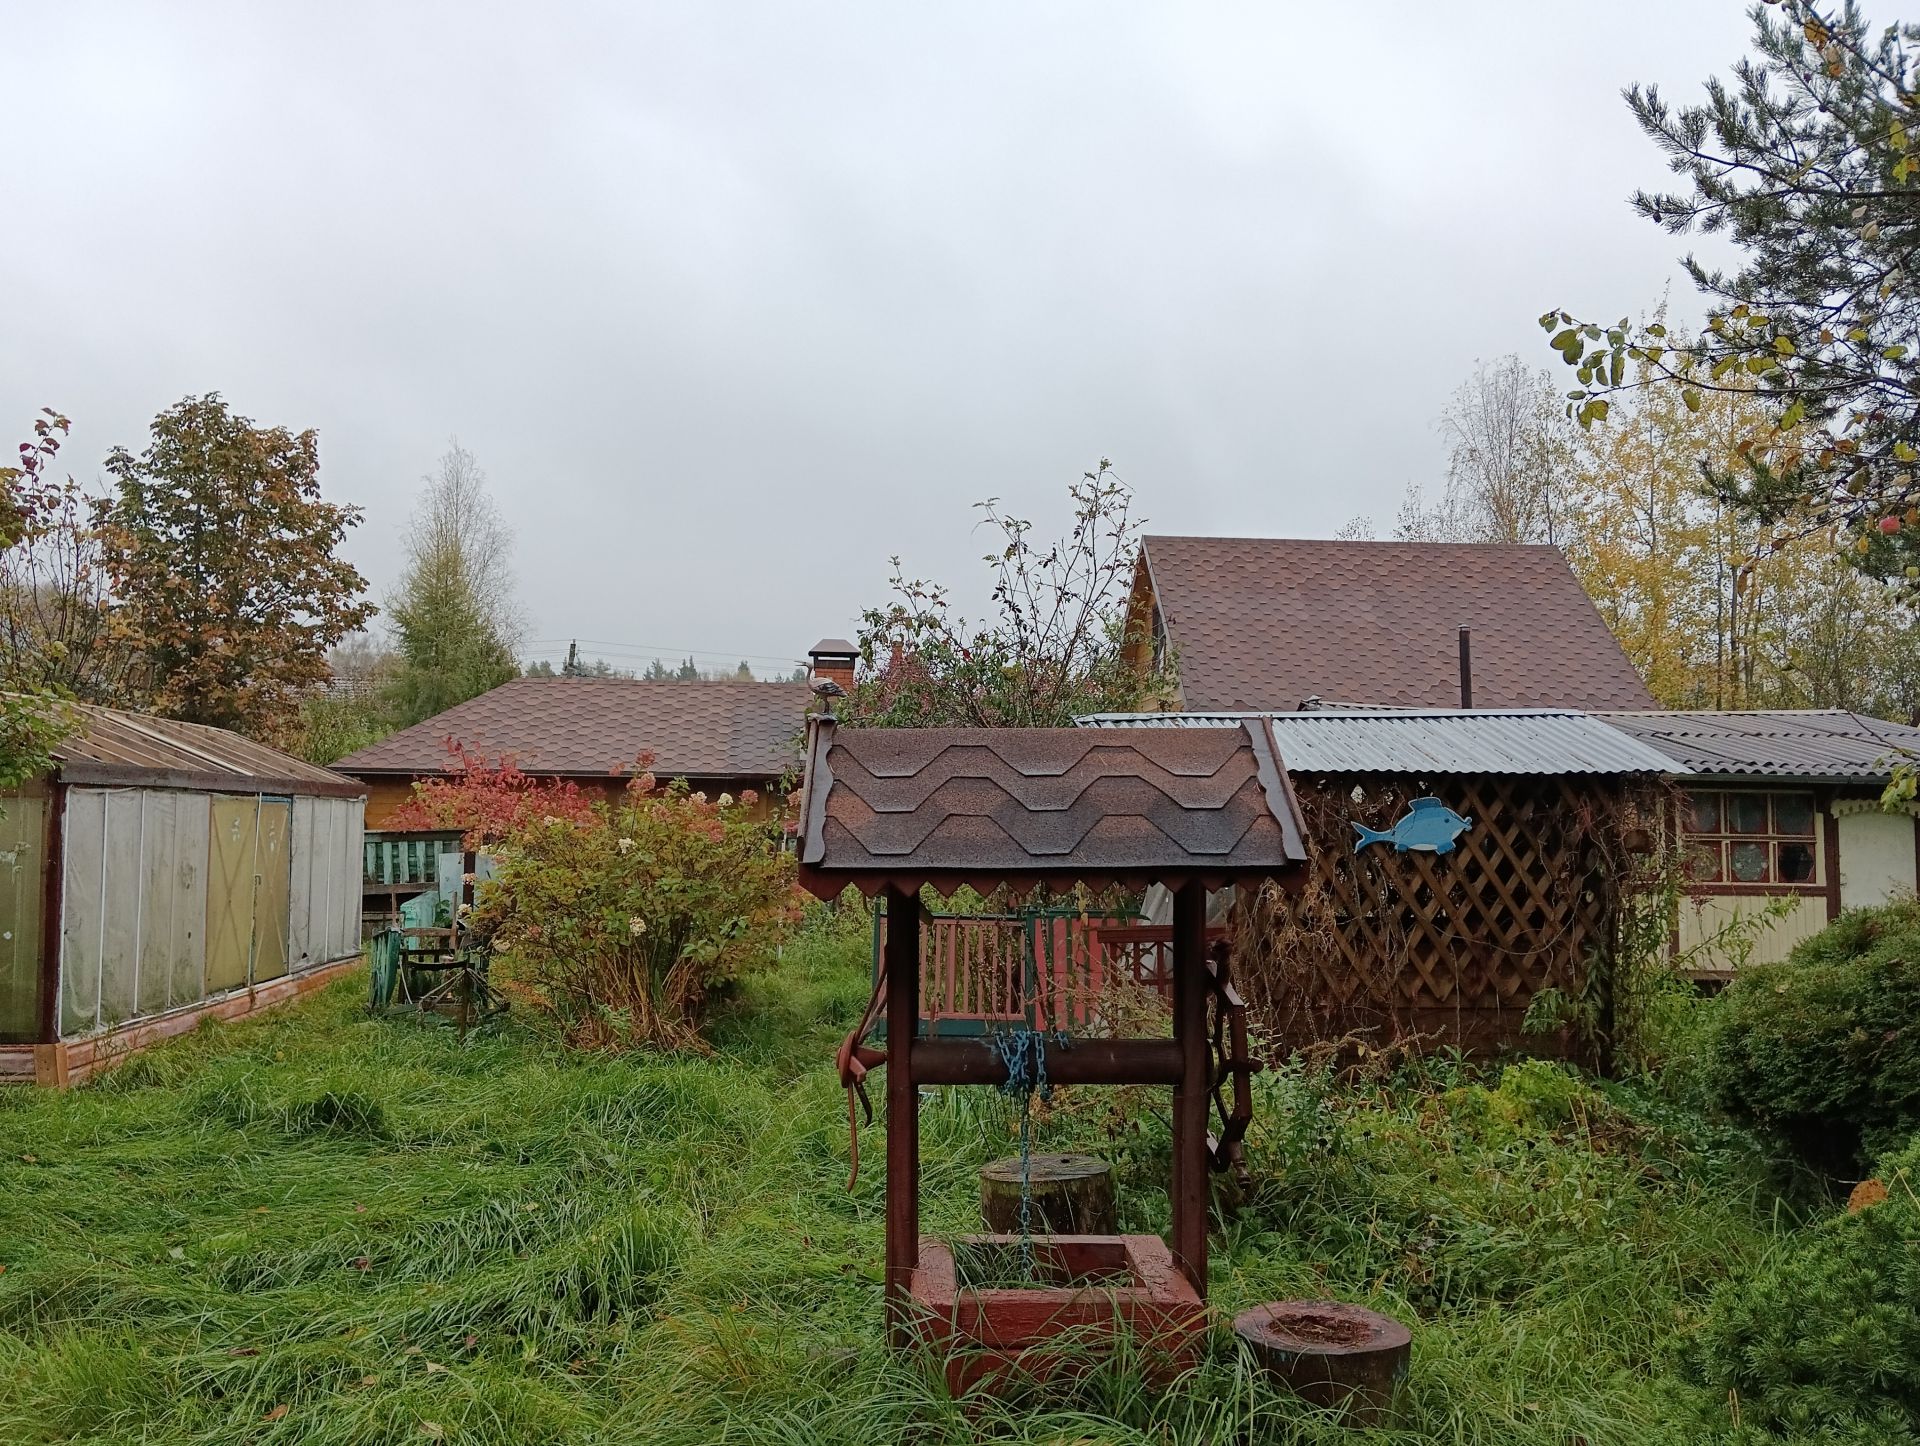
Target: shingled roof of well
{"x": 903, "y": 807}
{"x": 1264, "y": 623}
{"x": 583, "y": 726}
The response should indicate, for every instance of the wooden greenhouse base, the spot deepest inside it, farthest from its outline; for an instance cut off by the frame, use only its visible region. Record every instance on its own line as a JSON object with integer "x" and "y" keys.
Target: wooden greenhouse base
{"x": 72, "y": 1062}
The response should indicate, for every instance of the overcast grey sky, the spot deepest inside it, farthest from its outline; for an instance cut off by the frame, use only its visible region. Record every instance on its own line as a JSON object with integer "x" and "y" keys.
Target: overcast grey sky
{"x": 733, "y": 302}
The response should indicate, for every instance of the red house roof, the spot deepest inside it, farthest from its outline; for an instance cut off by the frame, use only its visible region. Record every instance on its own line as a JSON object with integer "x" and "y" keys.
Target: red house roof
{"x": 1265, "y": 623}
{"x": 585, "y": 726}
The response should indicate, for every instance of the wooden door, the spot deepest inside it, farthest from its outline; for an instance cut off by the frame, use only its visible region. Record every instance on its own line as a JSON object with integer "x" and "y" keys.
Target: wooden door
{"x": 23, "y": 862}
{"x": 273, "y": 881}
{"x": 230, "y": 891}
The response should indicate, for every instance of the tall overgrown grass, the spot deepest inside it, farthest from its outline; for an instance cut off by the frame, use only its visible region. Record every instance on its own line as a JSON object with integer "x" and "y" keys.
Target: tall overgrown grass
{"x": 325, "y": 1228}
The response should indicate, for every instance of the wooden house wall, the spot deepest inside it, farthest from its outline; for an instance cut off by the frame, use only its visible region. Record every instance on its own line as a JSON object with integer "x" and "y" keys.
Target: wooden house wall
{"x": 23, "y": 871}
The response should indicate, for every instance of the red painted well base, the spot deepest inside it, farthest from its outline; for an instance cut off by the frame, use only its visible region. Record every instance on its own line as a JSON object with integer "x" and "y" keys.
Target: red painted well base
{"x": 1102, "y": 1288}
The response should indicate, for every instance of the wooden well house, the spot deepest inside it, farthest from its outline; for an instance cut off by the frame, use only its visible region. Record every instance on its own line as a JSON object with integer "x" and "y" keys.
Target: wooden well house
{"x": 161, "y": 873}
{"x": 893, "y": 812}
{"x": 1449, "y": 948}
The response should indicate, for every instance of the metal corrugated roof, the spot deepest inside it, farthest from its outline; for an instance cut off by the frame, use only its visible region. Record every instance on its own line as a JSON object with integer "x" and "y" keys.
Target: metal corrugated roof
{"x": 110, "y": 746}
{"x": 1479, "y": 740}
{"x": 1811, "y": 745}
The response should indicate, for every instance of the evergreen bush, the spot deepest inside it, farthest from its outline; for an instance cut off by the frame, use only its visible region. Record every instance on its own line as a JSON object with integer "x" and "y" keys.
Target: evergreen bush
{"x": 1823, "y": 1051}
{"x": 1823, "y": 1342}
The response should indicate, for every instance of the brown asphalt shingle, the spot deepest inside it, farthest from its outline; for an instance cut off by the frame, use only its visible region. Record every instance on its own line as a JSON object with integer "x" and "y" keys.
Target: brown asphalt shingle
{"x": 985, "y": 804}
{"x": 1269, "y": 622}
{"x": 592, "y": 725}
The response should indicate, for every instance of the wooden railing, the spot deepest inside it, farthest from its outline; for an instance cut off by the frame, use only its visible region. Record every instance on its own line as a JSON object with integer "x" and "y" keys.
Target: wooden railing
{"x": 1048, "y": 969}
{"x": 1142, "y": 953}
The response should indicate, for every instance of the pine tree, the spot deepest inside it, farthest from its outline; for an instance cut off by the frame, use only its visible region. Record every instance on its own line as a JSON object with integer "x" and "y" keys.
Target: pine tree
{"x": 1809, "y": 162}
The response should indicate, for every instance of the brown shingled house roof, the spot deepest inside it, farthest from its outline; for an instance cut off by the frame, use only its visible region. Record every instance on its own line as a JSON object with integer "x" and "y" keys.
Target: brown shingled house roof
{"x": 984, "y": 806}
{"x": 588, "y": 726}
{"x": 1266, "y": 623}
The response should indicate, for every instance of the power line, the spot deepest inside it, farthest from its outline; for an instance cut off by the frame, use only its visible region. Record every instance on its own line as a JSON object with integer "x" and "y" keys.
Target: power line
{"x": 662, "y": 650}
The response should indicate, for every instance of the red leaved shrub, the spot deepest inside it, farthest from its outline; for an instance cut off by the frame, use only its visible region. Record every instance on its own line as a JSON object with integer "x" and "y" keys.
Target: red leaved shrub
{"x": 488, "y": 800}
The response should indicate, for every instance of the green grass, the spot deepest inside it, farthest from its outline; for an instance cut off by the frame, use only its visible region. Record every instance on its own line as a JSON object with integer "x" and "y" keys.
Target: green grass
{"x": 325, "y": 1228}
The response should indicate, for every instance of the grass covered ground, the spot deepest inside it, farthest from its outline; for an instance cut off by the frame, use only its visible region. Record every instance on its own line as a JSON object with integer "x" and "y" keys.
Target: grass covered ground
{"x": 321, "y": 1227}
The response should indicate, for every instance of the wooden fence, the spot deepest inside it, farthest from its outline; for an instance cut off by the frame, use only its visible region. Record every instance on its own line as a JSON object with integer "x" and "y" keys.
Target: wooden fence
{"x": 1447, "y": 950}
{"x": 1450, "y": 948}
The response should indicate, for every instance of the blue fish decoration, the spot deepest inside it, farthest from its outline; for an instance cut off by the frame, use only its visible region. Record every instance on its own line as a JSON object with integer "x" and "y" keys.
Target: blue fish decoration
{"x": 1429, "y": 826}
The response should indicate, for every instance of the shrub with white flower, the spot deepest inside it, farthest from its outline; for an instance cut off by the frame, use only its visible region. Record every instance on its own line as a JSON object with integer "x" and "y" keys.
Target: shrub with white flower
{"x": 622, "y": 923}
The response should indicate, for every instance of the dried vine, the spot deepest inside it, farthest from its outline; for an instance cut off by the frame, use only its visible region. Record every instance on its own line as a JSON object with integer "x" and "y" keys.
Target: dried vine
{"x": 1382, "y": 945}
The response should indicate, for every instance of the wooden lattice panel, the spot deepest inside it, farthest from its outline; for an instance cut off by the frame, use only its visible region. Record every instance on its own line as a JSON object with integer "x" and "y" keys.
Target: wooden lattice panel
{"x": 1448, "y": 945}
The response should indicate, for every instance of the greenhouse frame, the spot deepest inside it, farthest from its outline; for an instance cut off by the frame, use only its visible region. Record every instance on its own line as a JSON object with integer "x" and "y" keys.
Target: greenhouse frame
{"x": 161, "y": 873}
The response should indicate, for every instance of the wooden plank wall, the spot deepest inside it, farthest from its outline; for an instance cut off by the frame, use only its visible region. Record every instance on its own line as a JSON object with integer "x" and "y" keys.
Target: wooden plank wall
{"x": 23, "y": 868}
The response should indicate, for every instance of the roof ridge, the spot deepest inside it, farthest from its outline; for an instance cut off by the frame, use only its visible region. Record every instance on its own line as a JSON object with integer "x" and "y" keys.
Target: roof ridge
{"x": 1342, "y": 541}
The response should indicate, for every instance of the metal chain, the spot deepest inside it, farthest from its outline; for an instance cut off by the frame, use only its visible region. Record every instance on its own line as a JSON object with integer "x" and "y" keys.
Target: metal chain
{"x": 1022, "y": 1051}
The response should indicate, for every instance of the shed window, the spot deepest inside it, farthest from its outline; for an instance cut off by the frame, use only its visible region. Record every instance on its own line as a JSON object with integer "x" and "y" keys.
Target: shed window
{"x": 1753, "y": 839}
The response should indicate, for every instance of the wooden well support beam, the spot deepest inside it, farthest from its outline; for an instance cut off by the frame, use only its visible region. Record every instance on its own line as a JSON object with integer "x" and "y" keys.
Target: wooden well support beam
{"x": 1081, "y": 1062}
{"x": 1190, "y": 1186}
{"x": 903, "y": 1107}
{"x": 912, "y": 1062}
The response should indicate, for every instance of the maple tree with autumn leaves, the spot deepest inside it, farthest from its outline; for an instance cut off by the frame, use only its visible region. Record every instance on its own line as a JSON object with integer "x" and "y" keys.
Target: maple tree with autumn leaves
{"x": 225, "y": 571}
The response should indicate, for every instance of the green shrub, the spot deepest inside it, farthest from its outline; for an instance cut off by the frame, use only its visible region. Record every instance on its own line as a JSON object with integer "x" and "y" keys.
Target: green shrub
{"x": 1823, "y": 1051}
{"x": 614, "y": 929}
{"x": 1826, "y": 1337}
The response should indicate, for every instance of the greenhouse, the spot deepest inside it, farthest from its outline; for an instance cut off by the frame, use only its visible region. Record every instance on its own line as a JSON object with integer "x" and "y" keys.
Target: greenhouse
{"x": 162, "y": 872}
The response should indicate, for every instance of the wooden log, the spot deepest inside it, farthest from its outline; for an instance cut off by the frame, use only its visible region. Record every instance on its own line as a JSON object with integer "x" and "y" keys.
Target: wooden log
{"x": 1085, "y": 1061}
{"x": 1071, "y": 1195}
{"x": 1331, "y": 1354}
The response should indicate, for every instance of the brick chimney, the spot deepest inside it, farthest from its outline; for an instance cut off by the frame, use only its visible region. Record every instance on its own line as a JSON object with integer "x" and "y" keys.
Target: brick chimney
{"x": 834, "y": 658}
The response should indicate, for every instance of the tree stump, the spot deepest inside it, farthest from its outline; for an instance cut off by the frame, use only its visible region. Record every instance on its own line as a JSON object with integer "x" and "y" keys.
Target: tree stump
{"x": 1331, "y": 1354}
{"x": 1072, "y": 1195}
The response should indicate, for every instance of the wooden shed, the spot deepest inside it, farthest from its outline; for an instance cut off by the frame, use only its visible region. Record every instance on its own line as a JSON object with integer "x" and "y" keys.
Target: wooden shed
{"x": 1453, "y": 947}
{"x": 163, "y": 872}
{"x": 1782, "y": 808}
